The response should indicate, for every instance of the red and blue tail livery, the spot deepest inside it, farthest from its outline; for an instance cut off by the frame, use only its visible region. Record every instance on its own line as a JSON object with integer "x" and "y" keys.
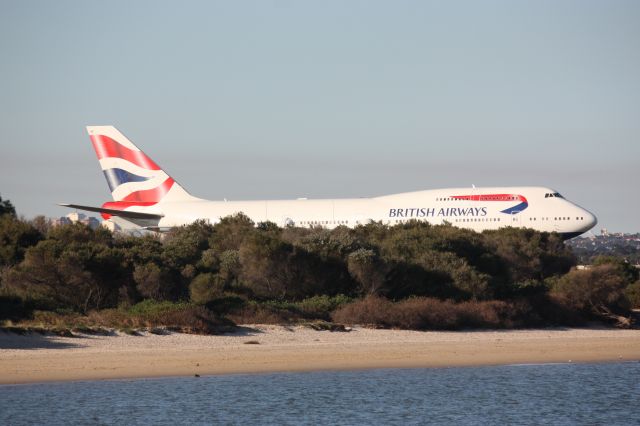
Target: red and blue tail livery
{"x": 146, "y": 196}
{"x": 134, "y": 179}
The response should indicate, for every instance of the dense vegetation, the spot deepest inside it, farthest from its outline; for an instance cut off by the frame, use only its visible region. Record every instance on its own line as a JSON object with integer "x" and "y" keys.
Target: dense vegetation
{"x": 200, "y": 277}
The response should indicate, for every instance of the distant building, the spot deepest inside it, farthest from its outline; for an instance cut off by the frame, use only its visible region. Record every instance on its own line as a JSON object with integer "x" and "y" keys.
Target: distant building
{"x": 75, "y": 217}
{"x": 110, "y": 225}
{"x": 60, "y": 221}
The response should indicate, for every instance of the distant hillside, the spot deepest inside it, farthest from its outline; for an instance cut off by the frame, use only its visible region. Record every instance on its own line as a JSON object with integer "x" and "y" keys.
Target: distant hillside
{"x": 626, "y": 246}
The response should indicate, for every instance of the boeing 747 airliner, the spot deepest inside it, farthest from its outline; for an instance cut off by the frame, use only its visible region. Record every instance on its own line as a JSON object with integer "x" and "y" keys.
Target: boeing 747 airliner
{"x": 147, "y": 196}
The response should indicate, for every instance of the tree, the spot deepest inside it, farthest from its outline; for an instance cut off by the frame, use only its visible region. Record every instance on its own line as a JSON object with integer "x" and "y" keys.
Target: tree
{"x": 42, "y": 224}
{"x": 230, "y": 265}
{"x": 152, "y": 281}
{"x": 273, "y": 269}
{"x": 633, "y": 294}
{"x": 139, "y": 250}
{"x": 457, "y": 279}
{"x": 69, "y": 275}
{"x": 264, "y": 260}
{"x": 336, "y": 243}
{"x": 6, "y": 208}
{"x": 16, "y": 237}
{"x": 231, "y": 231}
{"x": 184, "y": 245}
{"x": 599, "y": 290}
{"x": 368, "y": 270}
{"x": 629, "y": 272}
{"x": 78, "y": 233}
{"x": 530, "y": 255}
{"x": 205, "y": 288}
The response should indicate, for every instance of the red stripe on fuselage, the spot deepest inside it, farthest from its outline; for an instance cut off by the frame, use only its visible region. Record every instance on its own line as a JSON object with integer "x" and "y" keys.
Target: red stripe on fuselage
{"x": 108, "y": 148}
{"x": 491, "y": 197}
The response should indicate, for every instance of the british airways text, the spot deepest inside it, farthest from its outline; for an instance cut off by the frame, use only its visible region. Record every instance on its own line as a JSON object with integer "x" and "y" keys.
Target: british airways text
{"x": 442, "y": 212}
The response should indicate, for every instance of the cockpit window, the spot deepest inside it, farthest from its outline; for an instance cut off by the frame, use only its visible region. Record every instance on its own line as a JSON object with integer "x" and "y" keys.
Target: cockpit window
{"x": 553, "y": 194}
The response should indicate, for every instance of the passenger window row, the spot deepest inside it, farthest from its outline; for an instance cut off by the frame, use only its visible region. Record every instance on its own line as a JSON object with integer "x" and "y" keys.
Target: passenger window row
{"x": 461, "y": 220}
{"x": 324, "y": 222}
{"x": 557, "y": 218}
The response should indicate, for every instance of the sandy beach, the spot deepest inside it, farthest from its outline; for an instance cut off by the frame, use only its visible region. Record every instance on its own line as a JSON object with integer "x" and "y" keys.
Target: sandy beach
{"x": 267, "y": 348}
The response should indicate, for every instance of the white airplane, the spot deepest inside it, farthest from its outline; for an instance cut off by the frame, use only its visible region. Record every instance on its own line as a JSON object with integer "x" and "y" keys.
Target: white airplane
{"x": 147, "y": 196}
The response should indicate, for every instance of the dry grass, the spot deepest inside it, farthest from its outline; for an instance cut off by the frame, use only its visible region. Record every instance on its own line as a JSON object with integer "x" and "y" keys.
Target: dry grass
{"x": 262, "y": 314}
{"x": 182, "y": 317}
{"x": 423, "y": 313}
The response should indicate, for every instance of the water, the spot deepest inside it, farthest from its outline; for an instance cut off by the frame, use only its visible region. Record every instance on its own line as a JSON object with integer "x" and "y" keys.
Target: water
{"x": 595, "y": 394}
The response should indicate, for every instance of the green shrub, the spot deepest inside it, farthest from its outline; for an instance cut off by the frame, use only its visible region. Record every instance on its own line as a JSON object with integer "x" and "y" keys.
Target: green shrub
{"x": 263, "y": 313}
{"x": 180, "y": 316}
{"x": 323, "y": 304}
{"x": 633, "y": 294}
{"x": 152, "y": 307}
{"x": 205, "y": 287}
{"x": 226, "y": 303}
{"x": 601, "y": 288}
{"x": 151, "y": 281}
{"x": 16, "y": 236}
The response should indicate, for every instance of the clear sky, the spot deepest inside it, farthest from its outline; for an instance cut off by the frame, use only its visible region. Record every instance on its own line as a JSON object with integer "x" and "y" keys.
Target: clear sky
{"x": 286, "y": 99}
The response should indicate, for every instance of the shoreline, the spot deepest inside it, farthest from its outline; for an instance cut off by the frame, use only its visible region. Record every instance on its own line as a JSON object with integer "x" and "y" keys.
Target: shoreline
{"x": 36, "y": 358}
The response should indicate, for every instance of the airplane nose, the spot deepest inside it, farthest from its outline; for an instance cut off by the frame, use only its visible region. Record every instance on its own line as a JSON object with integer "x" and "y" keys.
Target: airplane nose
{"x": 591, "y": 220}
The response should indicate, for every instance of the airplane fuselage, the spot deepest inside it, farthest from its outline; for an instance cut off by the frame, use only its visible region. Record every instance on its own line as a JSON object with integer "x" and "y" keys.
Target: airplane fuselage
{"x": 539, "y": 208}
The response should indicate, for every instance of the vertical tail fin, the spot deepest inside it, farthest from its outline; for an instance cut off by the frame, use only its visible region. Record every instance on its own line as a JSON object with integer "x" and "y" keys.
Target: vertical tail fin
{"x": 134, "y": 179}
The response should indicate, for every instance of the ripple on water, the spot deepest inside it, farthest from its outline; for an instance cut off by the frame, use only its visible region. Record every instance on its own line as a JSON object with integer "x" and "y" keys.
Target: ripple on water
{"x": 519, "y": 394}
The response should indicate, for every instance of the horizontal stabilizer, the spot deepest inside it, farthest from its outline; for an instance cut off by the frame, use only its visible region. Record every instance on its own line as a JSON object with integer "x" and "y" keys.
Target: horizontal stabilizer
{"x": 114, "y": 212}
{"x": 158, "y": 228}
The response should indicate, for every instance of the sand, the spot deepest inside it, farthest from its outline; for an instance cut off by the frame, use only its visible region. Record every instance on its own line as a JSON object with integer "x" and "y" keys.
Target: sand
{"x": 37, "y": 358}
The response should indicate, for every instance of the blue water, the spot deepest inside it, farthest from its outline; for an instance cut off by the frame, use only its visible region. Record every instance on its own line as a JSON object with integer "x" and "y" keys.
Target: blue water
{"x": 588, "y": 394}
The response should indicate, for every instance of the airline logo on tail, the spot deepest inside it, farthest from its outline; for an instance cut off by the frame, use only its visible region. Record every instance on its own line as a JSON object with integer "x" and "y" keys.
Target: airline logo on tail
{"x": 134, "y": 179}
{"x": 523, "y": 204}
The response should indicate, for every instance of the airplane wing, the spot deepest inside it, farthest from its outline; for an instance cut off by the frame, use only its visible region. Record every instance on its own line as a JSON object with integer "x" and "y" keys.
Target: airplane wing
{"x": 113, "y": 212}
